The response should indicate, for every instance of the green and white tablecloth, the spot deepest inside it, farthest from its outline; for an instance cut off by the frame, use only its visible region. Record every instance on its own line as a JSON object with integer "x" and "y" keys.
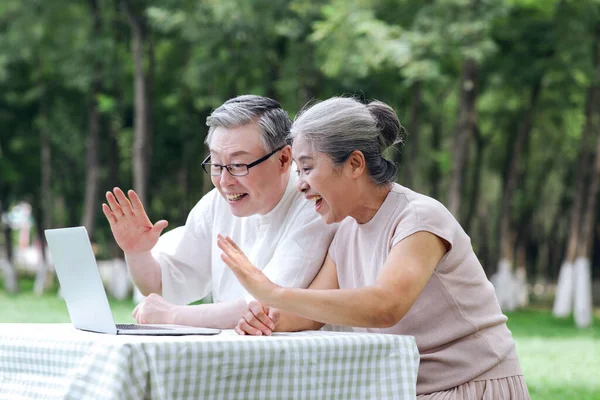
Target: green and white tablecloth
{"x": 55, "y": 361}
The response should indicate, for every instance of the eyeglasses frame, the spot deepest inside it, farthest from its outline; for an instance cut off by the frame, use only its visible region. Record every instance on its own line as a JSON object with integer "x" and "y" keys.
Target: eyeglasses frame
{"x": 248, "y": 166}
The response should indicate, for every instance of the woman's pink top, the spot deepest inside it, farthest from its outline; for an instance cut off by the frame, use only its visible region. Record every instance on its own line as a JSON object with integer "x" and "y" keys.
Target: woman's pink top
{"x": 459, "y": 328}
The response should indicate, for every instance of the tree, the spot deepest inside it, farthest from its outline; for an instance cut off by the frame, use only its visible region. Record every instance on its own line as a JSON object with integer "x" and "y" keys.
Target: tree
{"x": 92, "y": 165}
{"x": 142, "y": 81}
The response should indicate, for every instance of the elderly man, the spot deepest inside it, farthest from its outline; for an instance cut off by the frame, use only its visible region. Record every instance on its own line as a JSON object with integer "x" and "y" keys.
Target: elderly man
{"x": 254, "y": 202}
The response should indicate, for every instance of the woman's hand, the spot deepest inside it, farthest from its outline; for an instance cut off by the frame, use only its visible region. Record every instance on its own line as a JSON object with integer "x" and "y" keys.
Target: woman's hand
{"x": 258, "y": 320}
{"x": 255, "y": 282}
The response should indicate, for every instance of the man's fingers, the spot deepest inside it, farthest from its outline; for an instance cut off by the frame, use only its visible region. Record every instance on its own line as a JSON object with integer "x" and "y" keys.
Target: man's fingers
{"x": 136, "y": 203}
{"x": 108, "y": 214}
{"x": 114, "y": 205}
{"x": 160, "y": 225}
{"x": 257, "y": 309}
{"x": 123, "y": 201}
{"x": 136, "y": 310}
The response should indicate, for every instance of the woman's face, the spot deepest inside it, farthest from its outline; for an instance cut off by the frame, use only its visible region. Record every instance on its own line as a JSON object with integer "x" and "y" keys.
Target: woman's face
{"x": 326, "y": 185}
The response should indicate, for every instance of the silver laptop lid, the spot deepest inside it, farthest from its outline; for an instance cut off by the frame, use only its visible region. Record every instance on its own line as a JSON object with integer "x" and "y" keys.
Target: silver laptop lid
{"x": 82, "y": 288}
{"x": 80, "y": 281}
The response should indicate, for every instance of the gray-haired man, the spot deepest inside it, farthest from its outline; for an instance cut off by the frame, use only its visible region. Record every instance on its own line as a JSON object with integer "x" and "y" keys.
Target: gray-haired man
{"x": 254, "y": 202}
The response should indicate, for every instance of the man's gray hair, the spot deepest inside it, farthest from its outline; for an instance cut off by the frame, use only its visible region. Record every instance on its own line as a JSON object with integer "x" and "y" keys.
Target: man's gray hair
{"x": 267, "y": 113}
{"x": 340, "y": 125}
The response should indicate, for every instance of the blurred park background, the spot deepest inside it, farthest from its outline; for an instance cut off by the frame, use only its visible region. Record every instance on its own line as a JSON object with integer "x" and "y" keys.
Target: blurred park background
{"x": 500, "y": 98}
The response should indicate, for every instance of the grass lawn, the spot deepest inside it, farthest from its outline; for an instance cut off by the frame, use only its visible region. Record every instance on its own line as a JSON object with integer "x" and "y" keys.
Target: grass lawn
{"x": 26, "y": 307}
{"x": 559, "y": 361}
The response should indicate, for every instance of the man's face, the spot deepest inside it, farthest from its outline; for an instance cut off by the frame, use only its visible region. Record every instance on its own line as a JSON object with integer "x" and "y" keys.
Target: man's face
{"x": 260, "y": 190}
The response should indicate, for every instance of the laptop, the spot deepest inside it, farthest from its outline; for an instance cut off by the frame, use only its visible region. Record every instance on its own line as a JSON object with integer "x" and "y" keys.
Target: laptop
{"x": 83, "y": 291}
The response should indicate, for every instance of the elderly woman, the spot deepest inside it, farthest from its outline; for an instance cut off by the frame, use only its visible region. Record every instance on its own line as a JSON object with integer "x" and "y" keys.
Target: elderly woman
{"x": 400, "y": 263}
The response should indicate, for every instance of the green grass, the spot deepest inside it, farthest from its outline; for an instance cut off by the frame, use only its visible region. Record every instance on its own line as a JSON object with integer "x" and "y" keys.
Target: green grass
{"x": 49, "y": 308}
{"x": 559, "y": 361}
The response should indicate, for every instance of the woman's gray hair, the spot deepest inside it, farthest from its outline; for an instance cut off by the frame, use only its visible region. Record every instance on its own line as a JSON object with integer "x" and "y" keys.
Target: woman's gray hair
{"x": 274, "y": 122}
{"x": 340, "y": 125}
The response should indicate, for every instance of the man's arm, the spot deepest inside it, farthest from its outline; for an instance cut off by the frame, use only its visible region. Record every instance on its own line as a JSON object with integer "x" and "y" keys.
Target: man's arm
{"x": 156, "y": 310}
{"x": 223, "y": 315}
{"x": 145, "y": 272}
{"x": 136, "y": 235}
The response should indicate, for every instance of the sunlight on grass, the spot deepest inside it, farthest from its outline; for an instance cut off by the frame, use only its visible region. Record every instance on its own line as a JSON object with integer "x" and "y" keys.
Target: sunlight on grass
{"x": 559, "y": 361}
{"x": 561, "y": 368}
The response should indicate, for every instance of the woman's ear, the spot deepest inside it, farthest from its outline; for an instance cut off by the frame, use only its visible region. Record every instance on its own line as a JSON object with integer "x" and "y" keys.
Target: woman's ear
{"x": 357, "y": 163}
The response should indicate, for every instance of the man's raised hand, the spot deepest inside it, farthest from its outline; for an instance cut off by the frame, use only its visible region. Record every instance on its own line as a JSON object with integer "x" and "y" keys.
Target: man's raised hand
{"x": 130, "y": 225}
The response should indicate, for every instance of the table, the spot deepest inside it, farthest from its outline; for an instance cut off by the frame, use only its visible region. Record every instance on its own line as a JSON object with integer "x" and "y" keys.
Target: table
{"x": 56, "y": 361}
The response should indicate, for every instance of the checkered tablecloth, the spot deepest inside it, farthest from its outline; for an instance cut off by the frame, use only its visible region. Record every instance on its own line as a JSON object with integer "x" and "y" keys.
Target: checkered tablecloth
{"x": 55, "y": 361}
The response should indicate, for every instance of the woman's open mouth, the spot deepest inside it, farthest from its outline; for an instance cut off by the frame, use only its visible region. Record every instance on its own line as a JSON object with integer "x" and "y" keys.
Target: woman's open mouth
{"x": 318, "y": 201}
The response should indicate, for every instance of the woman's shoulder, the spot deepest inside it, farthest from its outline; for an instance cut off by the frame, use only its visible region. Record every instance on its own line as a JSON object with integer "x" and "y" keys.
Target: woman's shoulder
{"x": 424, "y": 207}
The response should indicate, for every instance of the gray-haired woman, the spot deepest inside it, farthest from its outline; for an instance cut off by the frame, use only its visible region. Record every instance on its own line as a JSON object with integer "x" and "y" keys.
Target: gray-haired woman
{"x": 400, "y": 263}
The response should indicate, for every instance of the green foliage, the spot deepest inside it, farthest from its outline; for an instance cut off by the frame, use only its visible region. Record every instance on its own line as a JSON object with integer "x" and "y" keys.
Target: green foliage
{"x": 206, "y": 52}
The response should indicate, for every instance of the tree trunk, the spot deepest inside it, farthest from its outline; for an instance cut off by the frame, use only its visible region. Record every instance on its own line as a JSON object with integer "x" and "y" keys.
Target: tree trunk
{"x": 575, "y": 271}
{"x": 482, "y": 243}
{"x": 582, "y": 275}
{"x": 507, "y": 234}
{"x": 467, "y": 118}
{"x": 116, "y": 115}
{"x": 476, "y": 179}
{"x": 11, "y": 280}
{"x": 511, "y": 176}
{"x": 141, "y": 143}
{"x": 543, "y": 260}
{"x": 44, "y": 221}
{"x": 410, "y": 168}
{"x": 521, "y": 275}
{"x": 435, "y": 173}
{"x": 92, "y": 165}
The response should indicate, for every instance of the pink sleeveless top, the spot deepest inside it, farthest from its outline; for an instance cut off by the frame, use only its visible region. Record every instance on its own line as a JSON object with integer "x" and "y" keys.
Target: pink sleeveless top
{"x": 459, "y": 328}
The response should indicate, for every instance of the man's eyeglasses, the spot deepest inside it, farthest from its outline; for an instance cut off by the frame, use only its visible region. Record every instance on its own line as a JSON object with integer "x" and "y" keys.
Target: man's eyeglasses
{"x": 234, "y": 169}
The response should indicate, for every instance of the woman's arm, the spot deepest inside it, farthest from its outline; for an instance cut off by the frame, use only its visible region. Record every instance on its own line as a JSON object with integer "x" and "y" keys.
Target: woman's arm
{"x": 404, "y": 275}
{"x": 262, "y": 320}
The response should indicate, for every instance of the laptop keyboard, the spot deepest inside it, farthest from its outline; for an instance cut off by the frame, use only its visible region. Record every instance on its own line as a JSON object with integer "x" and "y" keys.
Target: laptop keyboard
{"x": 141, "y": 327}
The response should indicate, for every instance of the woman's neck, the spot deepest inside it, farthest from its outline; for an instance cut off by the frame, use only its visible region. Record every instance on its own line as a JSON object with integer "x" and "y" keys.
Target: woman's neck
{"x": 369, "y": 201}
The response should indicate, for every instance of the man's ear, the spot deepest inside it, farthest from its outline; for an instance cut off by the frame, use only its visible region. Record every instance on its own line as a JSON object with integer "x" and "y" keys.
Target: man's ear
{"x": 285, "y": 158}
{"x": 356, "y": 163}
